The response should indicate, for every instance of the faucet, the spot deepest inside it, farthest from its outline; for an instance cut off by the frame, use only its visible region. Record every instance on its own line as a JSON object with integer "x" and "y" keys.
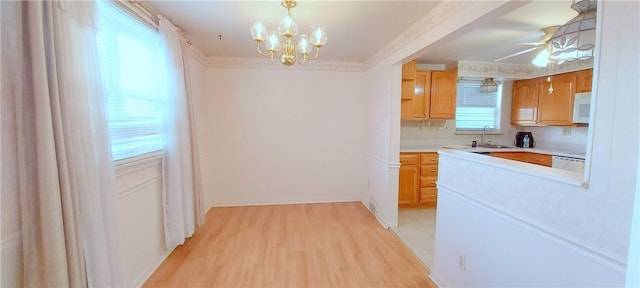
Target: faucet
{"x": 485, "y": 129}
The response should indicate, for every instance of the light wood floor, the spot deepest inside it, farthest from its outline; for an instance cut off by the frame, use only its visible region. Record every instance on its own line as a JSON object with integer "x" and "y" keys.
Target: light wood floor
{"x": 320, "y": 245}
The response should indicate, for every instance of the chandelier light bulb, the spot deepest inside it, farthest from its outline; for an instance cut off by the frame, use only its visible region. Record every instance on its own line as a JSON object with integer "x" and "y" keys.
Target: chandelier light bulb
{"x": 258, "y": 31}
{"x": 304, "y": 46}
{"x": 287, "y": 27}
{"x": 273, "y": 43}
{"x": 318, "y": 36}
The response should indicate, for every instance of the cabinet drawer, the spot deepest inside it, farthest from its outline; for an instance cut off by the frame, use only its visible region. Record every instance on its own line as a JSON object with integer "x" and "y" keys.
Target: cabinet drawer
{"x": 540, "y": 159}
{"x": 428, "y": 181}
{"x": 429, "y": 170}
{"x": 429, "y": 158}
{"x": 409, "y": 158}
{"x": 428, "y": 195}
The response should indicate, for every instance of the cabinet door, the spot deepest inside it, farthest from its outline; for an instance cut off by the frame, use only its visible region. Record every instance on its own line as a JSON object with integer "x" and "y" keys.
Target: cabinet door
{"x": 408, "y": 80}
{"x": 517, "y": 156}
{"x": 428, "y": 195}
{"x": 421, "y": 95}
{"x": 540, "y": 159}
{"x": 584, "y": 79}
{"x": 442, "y": 102}
{"x": 524, "y": 105}
{"x": 556, "y": 109}
{"x": 408, "y": 184}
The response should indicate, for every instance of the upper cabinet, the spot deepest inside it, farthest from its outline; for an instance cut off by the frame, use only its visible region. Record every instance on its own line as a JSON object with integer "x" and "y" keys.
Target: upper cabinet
{"x": 584, "y": 80}
{"x": 556, "y": 109}
{"x": 533, "y": 105}
{"x": 428, "y": 94}
{"x": 524, "y": 105}
{"x": 408, "y": 80}
{"x": 442, "y": 103}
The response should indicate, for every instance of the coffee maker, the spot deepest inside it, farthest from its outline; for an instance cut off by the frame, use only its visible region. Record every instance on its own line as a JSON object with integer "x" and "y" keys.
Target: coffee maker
{"x": 520, "y": 139}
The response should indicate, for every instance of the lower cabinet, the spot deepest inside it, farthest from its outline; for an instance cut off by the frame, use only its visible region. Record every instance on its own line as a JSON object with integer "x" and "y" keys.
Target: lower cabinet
{"x": 529, "y": 157}
{"x": 418, "y": 176}
{"x": 409, "y": 179}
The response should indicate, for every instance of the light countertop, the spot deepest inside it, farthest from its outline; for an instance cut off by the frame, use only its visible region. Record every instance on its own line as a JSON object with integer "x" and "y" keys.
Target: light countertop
{"x": 548, "y": 151}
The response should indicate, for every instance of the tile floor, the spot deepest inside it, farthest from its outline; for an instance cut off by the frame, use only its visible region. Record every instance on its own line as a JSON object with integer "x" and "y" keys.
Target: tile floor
{"x": 416, "y": 228}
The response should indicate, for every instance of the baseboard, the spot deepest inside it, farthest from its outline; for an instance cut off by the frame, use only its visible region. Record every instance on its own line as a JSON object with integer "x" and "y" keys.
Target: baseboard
{"x": 145, "y": 276}
{"x": 282, "y": 203}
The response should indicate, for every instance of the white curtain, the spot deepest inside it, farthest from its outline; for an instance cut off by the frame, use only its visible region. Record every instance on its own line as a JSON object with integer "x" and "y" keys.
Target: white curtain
{"x": 183, "y": 209}
{"x": 56, "y": 160}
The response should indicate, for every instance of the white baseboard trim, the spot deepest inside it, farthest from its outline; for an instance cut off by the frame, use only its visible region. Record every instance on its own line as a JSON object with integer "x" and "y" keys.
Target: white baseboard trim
{"x": 148, "y": 272}
{"x": 282, "y": 203}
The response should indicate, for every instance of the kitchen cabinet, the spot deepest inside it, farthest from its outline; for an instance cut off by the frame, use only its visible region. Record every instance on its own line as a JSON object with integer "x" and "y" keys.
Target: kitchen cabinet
{"x": 532, "y": 105}
{"x": 524, "y": 105}
{"x": 428, "y": 178}
{"x": 408, "y": 80}
{"x": 584, "y": 80}
{"x": 528, "y": 157}
{"x": 537, "y": 158}
{"x": 516, "y": 156}
{"x": 556, "y": 109}
{"x": 408, "y": 190}
{"x": 417, "y": 180}
{"x": 442, "y": 103}
{"x": 434, "y": 96}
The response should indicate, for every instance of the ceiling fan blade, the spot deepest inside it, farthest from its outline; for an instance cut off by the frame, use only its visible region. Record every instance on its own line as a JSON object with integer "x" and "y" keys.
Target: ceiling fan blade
{"x": 516, "y": 54}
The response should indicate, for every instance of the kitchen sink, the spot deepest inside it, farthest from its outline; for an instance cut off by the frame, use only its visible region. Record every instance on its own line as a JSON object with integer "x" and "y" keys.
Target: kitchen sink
{"x": 494, "y": 146}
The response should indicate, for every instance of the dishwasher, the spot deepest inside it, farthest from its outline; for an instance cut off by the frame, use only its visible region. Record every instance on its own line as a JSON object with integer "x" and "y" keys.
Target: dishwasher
{"x": 568, "y": 163}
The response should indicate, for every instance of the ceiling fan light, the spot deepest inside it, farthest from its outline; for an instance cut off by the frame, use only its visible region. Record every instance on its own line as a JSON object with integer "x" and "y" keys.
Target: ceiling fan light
{"x": 542, "y": 60}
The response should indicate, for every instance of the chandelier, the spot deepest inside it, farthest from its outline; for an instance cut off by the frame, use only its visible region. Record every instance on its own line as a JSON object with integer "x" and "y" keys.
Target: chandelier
{"x": 282, "y": 45}
{"x": 489, "y": 86}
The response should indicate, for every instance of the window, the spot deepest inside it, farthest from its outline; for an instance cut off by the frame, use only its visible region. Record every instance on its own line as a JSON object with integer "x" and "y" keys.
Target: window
{"x": 475, "y": 110}
{"x": 128, "y": 54}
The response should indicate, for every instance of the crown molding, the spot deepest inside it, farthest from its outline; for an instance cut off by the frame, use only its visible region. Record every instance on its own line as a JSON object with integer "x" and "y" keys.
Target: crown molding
{"x": 196, "y": 54}
{"x": 265, "y": 63}
{"x": 517, "y": 71}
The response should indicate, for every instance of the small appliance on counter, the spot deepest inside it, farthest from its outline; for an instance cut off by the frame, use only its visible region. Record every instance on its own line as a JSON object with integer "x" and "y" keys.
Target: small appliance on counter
{"x": 520, "y": 136}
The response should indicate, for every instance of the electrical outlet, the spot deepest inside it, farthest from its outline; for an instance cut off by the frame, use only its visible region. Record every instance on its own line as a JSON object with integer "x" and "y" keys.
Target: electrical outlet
{"x": 566, "y": 131}
{"x": 462, "y": 262}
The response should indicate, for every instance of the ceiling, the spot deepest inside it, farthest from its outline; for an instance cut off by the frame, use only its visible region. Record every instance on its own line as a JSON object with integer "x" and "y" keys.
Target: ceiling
{"x": 358, "y": 29}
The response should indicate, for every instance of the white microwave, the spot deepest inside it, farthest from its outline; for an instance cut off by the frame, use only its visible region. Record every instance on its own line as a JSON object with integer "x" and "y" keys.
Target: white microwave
{"x": 582, "y": 107}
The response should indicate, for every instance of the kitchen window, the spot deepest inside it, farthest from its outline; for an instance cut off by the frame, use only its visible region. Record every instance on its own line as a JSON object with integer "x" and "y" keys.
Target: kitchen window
{"x": 475, "y": 110}
{"x": 128, "y": 54}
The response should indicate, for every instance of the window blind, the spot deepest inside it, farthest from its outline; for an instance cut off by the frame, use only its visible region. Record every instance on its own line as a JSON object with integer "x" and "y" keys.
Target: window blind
{"x": 128, "y": 54}
{"x": 475, "y": 110}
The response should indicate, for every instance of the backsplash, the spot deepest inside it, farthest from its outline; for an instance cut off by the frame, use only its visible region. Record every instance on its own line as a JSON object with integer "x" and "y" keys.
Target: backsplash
{"x": 439, "y": 132}
{"x": 553, "y": 137}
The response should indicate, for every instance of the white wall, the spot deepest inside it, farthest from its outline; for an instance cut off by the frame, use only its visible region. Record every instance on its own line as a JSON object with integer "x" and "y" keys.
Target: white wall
{"x": 586, "y": 230}
{"x": 278, "y": 135}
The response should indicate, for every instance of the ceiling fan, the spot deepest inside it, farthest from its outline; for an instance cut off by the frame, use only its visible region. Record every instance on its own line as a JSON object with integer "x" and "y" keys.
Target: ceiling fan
{"x": 548, "y": 32}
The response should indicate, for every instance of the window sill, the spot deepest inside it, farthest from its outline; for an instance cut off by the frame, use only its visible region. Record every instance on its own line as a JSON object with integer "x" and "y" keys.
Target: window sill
{"x": 127, "y": 165}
